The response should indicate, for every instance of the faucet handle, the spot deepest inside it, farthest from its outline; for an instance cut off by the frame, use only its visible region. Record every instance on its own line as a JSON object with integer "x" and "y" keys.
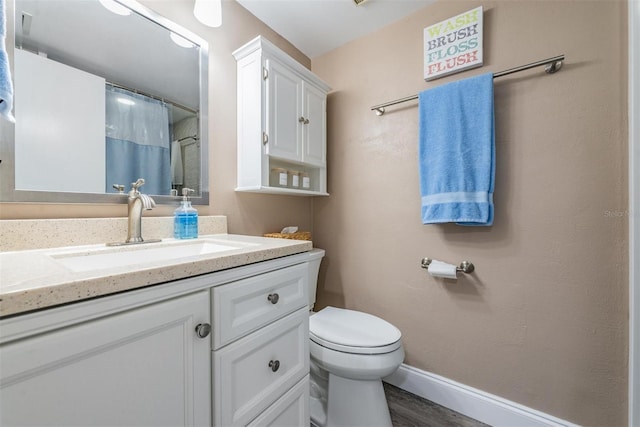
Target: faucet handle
{"x": 119, "y": 187}
{"x": 137, "y": 184}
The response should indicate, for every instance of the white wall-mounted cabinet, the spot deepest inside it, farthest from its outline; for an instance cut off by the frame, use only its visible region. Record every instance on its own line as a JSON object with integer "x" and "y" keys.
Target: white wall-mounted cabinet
{"x": 281, "y": 123}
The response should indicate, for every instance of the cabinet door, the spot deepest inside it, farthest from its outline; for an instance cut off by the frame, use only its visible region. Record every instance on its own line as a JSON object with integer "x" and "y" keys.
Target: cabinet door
{"x": 53, "y": 94}
{"x": 144, "y": 367}
{"x": 284, "y": 100}
{"x": 314, "y": 127}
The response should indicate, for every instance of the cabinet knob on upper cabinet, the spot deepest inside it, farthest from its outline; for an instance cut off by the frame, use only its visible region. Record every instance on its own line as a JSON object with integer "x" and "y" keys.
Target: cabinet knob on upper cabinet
{"x": 301, "y": 119}
{"x": 274, "y": 365}
{"x": 306, "y": 121}
{"x": 203, "y": 330}
{"x": 274, "y": 298}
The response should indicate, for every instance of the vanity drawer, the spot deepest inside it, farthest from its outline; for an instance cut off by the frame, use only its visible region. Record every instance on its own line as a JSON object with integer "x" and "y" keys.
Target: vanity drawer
{"x": 246, "y": 305}
{"x": 253, "y": 372}
{"x": 290, "y": 410}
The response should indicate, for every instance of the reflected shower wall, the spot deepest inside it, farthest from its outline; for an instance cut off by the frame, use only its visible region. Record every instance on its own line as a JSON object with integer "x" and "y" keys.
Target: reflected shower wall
{"x": 185, "y": 134}
{"x": 137, "y": 141}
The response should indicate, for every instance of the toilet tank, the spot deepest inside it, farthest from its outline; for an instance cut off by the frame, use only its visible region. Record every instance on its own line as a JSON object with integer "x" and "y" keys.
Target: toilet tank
{"x": 315, "y": 257}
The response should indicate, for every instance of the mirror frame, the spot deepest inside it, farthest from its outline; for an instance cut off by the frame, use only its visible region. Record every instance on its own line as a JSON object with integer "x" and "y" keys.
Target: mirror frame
{"x": 8, "y": 192}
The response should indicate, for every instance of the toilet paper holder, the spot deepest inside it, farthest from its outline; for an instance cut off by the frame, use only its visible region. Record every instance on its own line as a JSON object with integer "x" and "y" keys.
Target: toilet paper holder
{"x": 465, "y": 266}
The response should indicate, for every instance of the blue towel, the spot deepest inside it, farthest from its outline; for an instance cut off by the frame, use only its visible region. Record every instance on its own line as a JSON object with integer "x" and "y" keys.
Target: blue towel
{"x": 457, "y": 152}
{"x": 6, "y": 87}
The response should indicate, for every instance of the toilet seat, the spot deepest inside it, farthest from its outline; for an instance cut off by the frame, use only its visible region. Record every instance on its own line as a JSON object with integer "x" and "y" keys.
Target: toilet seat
{"x": 350, "y": 331}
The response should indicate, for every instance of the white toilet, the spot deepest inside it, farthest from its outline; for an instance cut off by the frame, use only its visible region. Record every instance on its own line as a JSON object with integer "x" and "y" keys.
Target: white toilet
{"x": 351, "y": 352}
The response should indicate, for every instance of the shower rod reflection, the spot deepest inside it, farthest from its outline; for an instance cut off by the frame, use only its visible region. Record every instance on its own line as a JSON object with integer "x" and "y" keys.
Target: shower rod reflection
{"x": 552, "y": 65}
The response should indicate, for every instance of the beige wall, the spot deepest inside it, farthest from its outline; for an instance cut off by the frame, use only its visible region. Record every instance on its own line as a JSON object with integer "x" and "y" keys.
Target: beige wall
{"x": 247, "y": 213}
{"x": 543, "y": 320}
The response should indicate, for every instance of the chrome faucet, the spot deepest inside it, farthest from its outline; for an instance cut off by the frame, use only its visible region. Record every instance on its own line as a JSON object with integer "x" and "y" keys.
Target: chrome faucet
{"x": 136, "y": 202}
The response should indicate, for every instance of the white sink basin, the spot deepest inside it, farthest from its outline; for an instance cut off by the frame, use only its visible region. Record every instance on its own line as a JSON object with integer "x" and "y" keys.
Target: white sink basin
{"x": 111, "y": 257}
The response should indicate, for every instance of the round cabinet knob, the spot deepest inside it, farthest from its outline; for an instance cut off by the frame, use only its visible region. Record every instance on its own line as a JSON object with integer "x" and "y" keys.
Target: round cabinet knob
{"x": 301, "y": 119}
{"x": 274, "y": 365}
{"x": 306, "y": 121}
{"x": 203, "y": 330}
{"x": 274, "y": 298}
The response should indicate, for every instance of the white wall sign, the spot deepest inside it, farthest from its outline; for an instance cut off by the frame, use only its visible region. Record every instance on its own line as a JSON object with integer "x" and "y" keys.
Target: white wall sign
{"x": 453, "y": 45}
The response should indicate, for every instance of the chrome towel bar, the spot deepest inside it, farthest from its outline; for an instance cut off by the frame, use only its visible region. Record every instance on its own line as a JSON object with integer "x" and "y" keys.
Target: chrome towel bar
{"x": 552, "y": 65}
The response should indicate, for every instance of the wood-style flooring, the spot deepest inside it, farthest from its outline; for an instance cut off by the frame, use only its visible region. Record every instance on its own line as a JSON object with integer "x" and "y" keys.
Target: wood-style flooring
{"x": 409, "y": 410}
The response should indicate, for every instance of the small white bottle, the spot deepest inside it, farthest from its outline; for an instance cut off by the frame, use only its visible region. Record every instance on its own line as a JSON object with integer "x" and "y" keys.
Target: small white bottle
{"x": 295, "y": 179}
{"x": 306, "y": 182}
{"x": 279, "y": 177}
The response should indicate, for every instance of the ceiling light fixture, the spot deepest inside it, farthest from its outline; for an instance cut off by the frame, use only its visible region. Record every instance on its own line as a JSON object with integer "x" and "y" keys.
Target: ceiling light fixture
{"x": 209, "y": 12}
{"x": 359, "y": 2}
{"x": 115, "y": 7}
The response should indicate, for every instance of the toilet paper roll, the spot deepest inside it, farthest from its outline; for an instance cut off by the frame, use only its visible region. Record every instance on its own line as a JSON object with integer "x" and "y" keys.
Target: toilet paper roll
{"x": 442, "y": 269}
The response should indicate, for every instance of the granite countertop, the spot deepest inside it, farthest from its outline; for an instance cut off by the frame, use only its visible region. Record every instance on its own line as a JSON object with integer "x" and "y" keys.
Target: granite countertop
{"x": 36, "y": 279}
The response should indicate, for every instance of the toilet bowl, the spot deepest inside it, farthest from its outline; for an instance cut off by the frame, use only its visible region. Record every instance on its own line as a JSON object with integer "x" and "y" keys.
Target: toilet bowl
{"x": 351, "y": 352}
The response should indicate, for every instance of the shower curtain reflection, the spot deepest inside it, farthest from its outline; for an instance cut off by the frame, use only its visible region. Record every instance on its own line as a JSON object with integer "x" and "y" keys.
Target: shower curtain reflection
{"x": 137, "y": 141}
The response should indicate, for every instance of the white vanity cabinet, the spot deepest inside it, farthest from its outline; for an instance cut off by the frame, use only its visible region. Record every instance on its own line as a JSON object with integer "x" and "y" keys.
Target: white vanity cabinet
{"x": 140, "y": 367}
{"x": 281, "y": 122}
{"x": 227, "y": 348}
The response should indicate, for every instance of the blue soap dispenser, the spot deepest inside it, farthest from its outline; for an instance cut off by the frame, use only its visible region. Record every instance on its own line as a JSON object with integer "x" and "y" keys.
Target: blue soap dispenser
{"x": 185, "y": 219}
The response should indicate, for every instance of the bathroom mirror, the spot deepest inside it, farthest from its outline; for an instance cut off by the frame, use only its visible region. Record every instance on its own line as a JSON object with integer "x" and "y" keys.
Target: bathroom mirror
{"x": 105, "y": 92}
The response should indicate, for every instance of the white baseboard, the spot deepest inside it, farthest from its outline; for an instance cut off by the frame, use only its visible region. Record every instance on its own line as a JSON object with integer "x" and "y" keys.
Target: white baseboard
{"x": 474, "y": 403}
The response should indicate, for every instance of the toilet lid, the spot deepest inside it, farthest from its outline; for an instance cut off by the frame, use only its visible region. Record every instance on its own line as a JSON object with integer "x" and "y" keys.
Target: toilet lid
{"x": 353, "y": 331}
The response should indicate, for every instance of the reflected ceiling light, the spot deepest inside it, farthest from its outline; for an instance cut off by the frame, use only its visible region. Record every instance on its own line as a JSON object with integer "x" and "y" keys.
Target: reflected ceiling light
{"x": 181, "y": 41}
{"x": 115, "y": 7}
{"x": 125, "y": 101}
{"x": 209, "y": 12}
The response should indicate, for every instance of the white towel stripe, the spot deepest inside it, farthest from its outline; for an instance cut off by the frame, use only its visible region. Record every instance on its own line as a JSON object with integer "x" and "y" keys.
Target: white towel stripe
{"x": 458, "y": 197}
